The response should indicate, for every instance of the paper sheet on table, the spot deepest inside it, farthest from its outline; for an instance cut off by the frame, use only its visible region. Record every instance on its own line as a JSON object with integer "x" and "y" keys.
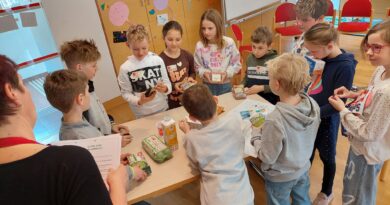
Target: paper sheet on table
{"x": 106, "y": 151}
{"x": 248, "y": 104}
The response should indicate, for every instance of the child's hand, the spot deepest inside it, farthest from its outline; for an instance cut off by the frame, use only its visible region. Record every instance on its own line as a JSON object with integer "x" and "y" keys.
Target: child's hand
{"x": 191, "y": 80}
{"x": 254, "y": 89}
{"x": 336, "y": 102}
{"x": 124, "y": 159}
{"x": 178, "y": 88}
{"x": 161, "y": 87}
{"x": 343, "y": 92}
{"x": 119, "y": 129}
{"x": 139, "y": 174}
{"x": 207, "y": 76}
{"x": 118, "y": 178}
{"x": 143, "y": 99}
{"x": 126, "y": 139}
{"x": 183, "y": 125}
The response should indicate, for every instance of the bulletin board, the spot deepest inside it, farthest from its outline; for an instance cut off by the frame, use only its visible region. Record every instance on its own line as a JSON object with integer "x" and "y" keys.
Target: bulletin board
{"x": 117, "y": 15}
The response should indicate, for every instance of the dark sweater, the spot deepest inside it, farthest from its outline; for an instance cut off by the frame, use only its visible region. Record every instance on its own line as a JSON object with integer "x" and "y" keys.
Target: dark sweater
{"x": 338, "y": 71}
{"x": 259, "y": 78}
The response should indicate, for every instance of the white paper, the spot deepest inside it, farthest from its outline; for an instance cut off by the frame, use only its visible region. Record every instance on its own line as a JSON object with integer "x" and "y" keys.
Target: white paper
{"x": 246, "y": 126}
{"x": 162, "y": 19}
{"x": 106, "y": 151}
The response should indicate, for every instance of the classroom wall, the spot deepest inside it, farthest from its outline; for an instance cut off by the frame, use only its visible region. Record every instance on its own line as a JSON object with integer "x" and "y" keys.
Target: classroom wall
{"x": 71, "y": 19}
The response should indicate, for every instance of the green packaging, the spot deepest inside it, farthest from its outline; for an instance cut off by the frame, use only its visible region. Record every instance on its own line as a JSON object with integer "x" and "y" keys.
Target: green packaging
{"x": 156, "y": 149}
{"x": 139, "y": 160}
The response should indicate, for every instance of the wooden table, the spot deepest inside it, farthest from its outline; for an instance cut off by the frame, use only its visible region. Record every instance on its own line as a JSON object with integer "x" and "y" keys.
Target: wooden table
{"x": 175, "y": 172}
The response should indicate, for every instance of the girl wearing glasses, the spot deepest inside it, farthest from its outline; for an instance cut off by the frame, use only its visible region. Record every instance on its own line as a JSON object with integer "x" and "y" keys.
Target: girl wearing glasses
{"x": 368, "y": 124}
{"x": 322, "y": 42}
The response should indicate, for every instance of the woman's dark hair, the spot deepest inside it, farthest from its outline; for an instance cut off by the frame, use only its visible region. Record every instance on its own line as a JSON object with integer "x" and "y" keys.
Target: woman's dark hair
{"x": 9, "y": 75}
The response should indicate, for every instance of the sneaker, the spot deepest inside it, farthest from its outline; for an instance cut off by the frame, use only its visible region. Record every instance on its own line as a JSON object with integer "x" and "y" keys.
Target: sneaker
{"x": 322, "y": 199}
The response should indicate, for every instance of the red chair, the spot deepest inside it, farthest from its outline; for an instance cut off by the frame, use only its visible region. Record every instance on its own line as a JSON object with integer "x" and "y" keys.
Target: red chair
{"x": 331, "y": 12}
{"x": 285, "y": 13}
{"x": 388, "y": 12}
{"x": 238, "y": 34}
{"x": 355, "y": 8}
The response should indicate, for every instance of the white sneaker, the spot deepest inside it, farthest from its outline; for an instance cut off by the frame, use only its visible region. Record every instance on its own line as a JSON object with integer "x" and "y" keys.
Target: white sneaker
{"x": 322, "y": 199}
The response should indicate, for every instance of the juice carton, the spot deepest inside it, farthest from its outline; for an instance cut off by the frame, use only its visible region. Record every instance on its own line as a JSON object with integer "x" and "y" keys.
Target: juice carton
{"x": 170, "y": 134}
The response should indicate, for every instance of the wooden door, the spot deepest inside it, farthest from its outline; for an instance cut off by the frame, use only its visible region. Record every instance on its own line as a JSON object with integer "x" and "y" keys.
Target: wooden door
{"x": 158, "y": 9}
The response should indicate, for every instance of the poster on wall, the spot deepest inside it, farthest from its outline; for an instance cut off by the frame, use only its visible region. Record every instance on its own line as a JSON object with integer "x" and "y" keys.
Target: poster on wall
{"x": 119, "y": 13}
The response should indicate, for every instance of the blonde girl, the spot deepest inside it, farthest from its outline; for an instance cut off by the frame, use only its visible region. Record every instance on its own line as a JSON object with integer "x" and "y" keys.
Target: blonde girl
{"x": 179, "y": 62}
{"x": 368, "y": 124}
{"x": 216, "y": 56}
{"x": 322, "y": 42}
{"x": 143, "y": 77}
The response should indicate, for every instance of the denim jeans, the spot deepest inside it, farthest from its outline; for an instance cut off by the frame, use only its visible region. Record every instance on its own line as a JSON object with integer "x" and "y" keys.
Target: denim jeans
{"x": 278, "y": 193}
{"x": 360, "y": 181}
{"x": 219, "y": 89}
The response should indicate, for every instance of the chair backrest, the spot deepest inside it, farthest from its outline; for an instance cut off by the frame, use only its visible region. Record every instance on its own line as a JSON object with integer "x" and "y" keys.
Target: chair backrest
{"x": 285, "y": 12}
{"x": 357, "y": 8}
{"x": 330, "y": 11}
{"x": 237, "y": 32}
{"x": 388, "y": 12}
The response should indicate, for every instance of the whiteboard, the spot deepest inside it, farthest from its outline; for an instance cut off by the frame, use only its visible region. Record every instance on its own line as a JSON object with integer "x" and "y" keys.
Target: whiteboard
{"x": 236, "y": 8}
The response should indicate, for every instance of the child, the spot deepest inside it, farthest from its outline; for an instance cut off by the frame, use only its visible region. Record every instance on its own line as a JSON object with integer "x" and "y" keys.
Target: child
{"x": 83, "y": 55}
{"x": 309, "y": 13}
{"x": 216, "y": 56}
{"x": 322, "y": 42}
{"x": 179, "y": 62}
{"x": 286, "y": 139}
{"x": 368, "y": 126}
{"x": 67, "y": 91}
{"x": 65, "y": 174}
{"x": 143, "y": 77}
{"x": 256, "y": 76}
{"x": 215, "y": 150}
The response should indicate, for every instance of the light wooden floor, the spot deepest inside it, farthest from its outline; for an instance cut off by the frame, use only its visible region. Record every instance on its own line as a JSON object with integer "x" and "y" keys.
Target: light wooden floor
{"x": 189, "y": 194}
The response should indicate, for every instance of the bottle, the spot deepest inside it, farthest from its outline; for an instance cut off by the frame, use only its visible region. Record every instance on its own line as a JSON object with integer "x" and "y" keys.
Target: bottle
{"x": 170, "y": 134}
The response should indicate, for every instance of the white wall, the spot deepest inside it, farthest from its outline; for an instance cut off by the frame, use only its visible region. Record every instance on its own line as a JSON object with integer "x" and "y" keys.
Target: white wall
{"x": 72, "y": 19}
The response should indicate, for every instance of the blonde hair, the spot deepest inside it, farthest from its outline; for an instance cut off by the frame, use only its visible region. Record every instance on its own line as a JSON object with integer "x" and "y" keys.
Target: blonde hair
{"x": 136, "y": 32}
{"x": 213, "y": 16}
{"x": 63, "y": 86}
{"x": 321, "y": 34}
{"x": 383, "y": 28}
{"x": 311, "y": 8}
{"x": 291, "y": 70}
{"x": 79, "y": 51}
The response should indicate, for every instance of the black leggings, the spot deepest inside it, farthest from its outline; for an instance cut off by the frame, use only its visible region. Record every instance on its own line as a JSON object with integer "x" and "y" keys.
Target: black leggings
{"x": 326, "y": 144}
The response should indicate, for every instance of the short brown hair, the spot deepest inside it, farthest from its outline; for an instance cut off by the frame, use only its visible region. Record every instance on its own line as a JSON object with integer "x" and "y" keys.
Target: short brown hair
{"x": 63, "y": 86}
{"x": 136, "y": 32}
{"x": 321, "y": 34}
{"x": 199, "y": 102}
{"x": 262, "y": 35}
{"x": 79, "y": 51}
{"x": 9, "y": 75}
{"x": 312, "y": 8}
{"x": 213, "y": 16}
{"x": 383, "y": 28}
{"x": 291, "y": 70}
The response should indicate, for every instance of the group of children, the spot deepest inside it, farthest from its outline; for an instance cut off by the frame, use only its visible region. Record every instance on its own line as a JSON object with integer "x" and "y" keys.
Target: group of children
{"x": 305, "y": 118}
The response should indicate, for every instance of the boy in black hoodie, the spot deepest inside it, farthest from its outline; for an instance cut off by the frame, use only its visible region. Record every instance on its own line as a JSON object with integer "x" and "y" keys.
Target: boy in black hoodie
{"x": 256, "y": 79}
{"x": 321, "y": 40}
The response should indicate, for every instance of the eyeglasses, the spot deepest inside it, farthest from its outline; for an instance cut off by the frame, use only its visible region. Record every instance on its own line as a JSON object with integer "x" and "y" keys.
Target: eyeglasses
{"x": 375, "y": 48}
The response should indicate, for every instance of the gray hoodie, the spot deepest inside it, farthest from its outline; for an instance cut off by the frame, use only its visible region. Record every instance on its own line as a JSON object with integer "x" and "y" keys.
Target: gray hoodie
{"x": 286, "y": 140}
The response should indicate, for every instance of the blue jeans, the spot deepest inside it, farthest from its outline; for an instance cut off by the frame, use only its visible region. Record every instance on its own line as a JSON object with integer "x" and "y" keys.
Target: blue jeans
{"x": 360, "y": 180}
{"x": 278, "y": 193}
{"x": 219, "y": 89}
